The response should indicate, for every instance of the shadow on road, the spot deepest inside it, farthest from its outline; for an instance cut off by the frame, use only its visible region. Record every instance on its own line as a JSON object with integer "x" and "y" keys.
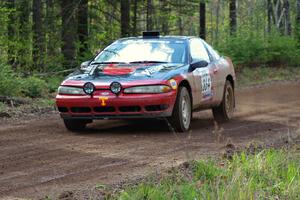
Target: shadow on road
{"x": 237, "y": 128}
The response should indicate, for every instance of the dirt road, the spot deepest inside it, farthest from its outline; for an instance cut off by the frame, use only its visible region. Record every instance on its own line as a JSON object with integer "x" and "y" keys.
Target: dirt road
{"x": 39, "y": 158}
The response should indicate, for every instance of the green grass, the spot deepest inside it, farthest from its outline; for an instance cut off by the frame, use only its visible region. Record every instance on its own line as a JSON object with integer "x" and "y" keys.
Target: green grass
{"x": 270, "y": 174}
{"x": 251, "y": 76}
{"x": 2, "y": 106}
{"x": 44, "y": 102}
{"x": 33, "y": 105}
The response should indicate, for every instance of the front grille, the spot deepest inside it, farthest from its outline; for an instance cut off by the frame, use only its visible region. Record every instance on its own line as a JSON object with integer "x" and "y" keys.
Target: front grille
{"x": 62, "y": 109}
{"x": 130, "y": 109}
{"x": 104, "y": 109}
{"x": 156, "y": 107}
{"x": 80, "y": 109}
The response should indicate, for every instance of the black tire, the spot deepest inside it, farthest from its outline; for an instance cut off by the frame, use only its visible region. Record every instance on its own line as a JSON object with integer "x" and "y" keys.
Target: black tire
{"x": 75, "y": 125}
{"x": 182, "y": 111}
{"x": 224, "y": 111}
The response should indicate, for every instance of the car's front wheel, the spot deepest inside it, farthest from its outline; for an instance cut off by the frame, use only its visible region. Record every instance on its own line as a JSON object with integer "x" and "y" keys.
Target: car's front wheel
{"x": 224, "y": 111}
{"x": 75, "y": 124}
{"x": 182, "y": 112}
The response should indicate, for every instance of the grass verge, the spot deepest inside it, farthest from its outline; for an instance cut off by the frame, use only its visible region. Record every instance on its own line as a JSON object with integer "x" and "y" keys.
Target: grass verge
{"x": 31, "y": 107}
{"x": 269, "y": 174}
{"x": 260, "y": 75}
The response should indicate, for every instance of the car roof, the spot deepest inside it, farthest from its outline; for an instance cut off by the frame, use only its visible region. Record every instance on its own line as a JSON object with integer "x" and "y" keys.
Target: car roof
{"x": 167, "y": 37}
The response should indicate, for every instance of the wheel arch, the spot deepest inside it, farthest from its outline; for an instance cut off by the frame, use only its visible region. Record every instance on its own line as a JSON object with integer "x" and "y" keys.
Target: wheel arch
{"x": 231, "y": 80}
{"x": 185, "y": 83}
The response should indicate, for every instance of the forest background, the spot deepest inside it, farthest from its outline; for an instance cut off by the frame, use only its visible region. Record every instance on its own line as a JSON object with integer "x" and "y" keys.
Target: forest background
{"x": 43, "y": 40}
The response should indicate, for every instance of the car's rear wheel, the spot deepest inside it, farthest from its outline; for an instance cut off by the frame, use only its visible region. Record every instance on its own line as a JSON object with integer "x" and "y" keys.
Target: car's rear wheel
{"x": 182, "y": 112}
{"x": 224, "y": 111}
{"x": 75, "y": 124}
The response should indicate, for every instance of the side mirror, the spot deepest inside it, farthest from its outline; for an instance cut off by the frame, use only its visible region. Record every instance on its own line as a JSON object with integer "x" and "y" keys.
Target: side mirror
{"x": 198, "y": 64}
{"x": 85, "y": 65}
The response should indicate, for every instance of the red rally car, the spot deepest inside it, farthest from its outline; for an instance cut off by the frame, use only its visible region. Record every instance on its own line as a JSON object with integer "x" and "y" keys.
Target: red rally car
{"x": 150, "y": 76}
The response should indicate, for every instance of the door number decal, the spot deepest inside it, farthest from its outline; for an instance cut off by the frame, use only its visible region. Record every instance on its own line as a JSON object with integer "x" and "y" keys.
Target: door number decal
{"x": 206, "y": 81}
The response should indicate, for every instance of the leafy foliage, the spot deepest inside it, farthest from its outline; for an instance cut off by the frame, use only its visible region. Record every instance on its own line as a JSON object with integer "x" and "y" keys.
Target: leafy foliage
{"x": 53, "y": 82}
{"x": 13, "y": 85}
{"x": 9, "y": 82}
{"x": 257, "y": 51}
{"x": 34, "y": 87}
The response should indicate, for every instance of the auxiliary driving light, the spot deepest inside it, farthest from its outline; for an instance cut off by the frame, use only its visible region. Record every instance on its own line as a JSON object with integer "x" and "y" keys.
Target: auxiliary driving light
{"x": 115, "y": 87}
{"x": 89, "y": 88}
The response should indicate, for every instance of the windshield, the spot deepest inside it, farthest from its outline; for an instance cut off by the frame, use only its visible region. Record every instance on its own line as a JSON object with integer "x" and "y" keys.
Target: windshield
{"x": 144, "y": 50}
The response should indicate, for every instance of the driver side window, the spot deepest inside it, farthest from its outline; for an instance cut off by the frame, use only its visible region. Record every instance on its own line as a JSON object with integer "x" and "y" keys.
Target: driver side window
{"x": 198, "y": 51}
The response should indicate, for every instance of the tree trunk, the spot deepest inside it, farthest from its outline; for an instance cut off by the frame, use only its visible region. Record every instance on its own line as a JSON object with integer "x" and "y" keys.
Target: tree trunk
{"x": 24, "y": 53}
{"x": 11, "y": 29}
{"x": 149, "y": 15}
{"x": 38, "y": 35}
{"x": 68, "y": 32}
{"x": 202, "y": 20}
{"x": 287, "y": 24}
{"x": 125, "y": 18}
{"x": 217, "y": 21}
{"x": 180, "y": 23}
{"x": 269, "y": 13}
{"x": 279, "y": 16}
{"x": 50, "y": 19}
{"x": 135, "y": 10}
{"x": 211, "y": 22}
{"x": 298, "y": 22}
{"x": 232, "y": 17}
{"x": 164, "y": 17}
{"x": 82, "y": 30}
{"x": 298, "y": 13}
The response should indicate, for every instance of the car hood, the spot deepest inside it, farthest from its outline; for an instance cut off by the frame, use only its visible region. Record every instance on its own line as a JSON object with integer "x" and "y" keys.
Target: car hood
{"x": 106, "y": 73}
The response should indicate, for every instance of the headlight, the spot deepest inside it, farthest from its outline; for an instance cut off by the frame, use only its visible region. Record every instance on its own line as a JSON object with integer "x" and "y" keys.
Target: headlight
{"x": 70, "y": 90}
{"x": 151, "y": 89}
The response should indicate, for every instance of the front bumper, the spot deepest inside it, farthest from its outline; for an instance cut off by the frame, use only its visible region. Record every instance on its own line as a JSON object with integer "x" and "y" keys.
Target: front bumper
{"x": 106, "y": 105}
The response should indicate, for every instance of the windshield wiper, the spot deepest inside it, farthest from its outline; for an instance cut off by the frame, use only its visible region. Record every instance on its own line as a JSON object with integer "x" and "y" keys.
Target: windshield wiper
{"x": 99, "y": 63}
{"x": 148, "y": 61}
{"x": 111, "y": 51}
